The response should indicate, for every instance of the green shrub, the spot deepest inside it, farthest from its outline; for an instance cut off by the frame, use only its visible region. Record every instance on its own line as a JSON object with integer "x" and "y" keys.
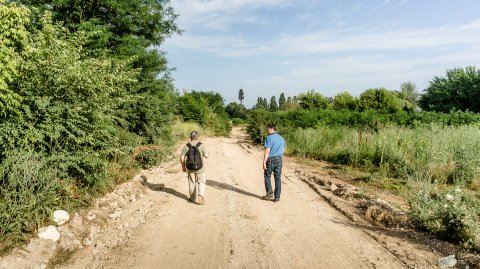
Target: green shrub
{"x": 30, "y": 190}
{"x": 451, "y": 214}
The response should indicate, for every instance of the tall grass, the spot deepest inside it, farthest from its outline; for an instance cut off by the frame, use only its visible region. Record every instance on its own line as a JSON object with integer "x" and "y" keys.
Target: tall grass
{"x": 436, "y": 161}
{"x": 447, "y": 154}
{"x": 29, "y": 192}
{"x": 181, "y": 130}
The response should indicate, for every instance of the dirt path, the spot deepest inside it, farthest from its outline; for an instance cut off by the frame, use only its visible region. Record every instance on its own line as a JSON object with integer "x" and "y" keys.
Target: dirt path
{"x": 235, "y": 228}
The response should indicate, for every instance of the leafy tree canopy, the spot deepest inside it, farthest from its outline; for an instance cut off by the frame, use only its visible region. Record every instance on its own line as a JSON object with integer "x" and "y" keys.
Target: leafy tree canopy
{"x": 383, "y": 99}
{"x": 13, "y": 40}
{"x": 458, "y": 90}
{"x": 345, "y": 100}
{"x": 236, "y": 110}
{"x": 312, "y": 100}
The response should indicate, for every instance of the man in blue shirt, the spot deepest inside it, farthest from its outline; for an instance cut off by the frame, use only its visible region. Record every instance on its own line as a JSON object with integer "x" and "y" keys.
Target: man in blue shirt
{"x": 272, "y": 162}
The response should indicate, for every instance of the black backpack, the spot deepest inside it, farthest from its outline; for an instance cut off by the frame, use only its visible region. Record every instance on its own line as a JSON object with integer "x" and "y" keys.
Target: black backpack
{"x": 194, "y": 158}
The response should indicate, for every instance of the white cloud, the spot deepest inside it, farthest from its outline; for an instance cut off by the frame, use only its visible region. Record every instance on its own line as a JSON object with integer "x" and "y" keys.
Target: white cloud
{"x": 331, "y": 42}
{"x": 322, "y": 42}
{"x": 219, "y": 14}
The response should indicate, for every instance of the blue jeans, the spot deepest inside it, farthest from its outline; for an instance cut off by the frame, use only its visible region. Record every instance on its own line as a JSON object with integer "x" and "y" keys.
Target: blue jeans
{"x": 274, "y": 164}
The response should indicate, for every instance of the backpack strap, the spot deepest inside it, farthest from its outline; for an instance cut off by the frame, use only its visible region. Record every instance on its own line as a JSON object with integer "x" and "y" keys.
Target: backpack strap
{"x": 189, "y": 146}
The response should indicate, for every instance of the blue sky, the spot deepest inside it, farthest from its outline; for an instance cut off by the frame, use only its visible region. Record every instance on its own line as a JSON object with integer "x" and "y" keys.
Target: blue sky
{"x": 267, "y": 47}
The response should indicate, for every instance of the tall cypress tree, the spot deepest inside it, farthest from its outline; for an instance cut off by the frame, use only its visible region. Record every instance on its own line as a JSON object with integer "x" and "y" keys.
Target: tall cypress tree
{"x": 273, "y": 104}
{"x": 241, "y": 96}
{"x": 282, "y": 102}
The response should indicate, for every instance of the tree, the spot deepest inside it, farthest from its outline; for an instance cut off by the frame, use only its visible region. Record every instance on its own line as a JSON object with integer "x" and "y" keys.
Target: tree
{"x": 282, "y": 102}
{"x": 345, "y": 100}
{"x": 213, "y": 99}
{"x": 295, "y": 103}
{"x": 273, "y": 104}
{"x": 130, "y": 30}
{"x": 289, "y": 102}
{"x": 312, "y": 100}
{"x": 235, "y": 110}
{"x": 381, "y": 99}
{"x": 408, "y": 91}
{"x": 261, "y": 103}
{"x": 241, "y": 96}
{"x": 458, "y": 90}
{"x": 13, "y": 40}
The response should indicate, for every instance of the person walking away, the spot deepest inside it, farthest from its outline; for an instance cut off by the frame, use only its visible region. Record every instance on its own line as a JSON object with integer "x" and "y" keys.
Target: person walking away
{"x": 191, "y": 160}
{"x": 272, "y": 162}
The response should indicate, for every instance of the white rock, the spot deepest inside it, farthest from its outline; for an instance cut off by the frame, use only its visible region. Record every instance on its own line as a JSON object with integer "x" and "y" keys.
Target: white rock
{"x": 60, "y": 216}
{"x": 40, "y": 266}
{"x": 49, "y": 233}
{"x": 333, "y": 187}
{"x": 447, "y": 262}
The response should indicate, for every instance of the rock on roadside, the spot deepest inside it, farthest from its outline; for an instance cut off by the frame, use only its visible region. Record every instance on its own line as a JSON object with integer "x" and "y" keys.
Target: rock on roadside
{"x": 60, "y": 217}
{"x": 49, "y": 233}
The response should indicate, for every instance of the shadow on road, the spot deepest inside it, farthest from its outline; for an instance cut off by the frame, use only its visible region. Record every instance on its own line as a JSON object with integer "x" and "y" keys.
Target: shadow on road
{"x": 162, "y": 188}
{"x": 225, "y": 186}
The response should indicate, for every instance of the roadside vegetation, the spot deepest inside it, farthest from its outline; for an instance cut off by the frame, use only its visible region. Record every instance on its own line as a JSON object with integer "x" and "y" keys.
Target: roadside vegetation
{"x": 86, "y": 99}
{"x": 429, "y": 154}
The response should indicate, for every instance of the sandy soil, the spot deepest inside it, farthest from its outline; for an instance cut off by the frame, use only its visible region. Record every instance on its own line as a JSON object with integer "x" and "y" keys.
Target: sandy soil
{"x": 235, "y": 228}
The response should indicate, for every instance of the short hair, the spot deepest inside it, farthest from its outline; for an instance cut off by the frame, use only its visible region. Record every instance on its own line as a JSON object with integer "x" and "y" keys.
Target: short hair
{"x": 272, "y": 126}
{"x": 194, "y": 135}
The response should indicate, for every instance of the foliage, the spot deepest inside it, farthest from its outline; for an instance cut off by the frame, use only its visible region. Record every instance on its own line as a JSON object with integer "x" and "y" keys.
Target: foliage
{"x": 30, "y": 192}
{"x": 150, "y": 21}
{"x": 241, "y": 95}
{"x": 344, "y": 100}
{"x": 13, "y": 40}
{"x": 312, "y": 100}
{"x": 81, "y": 105}
{"x": 282, "y": 102}
{"x": 235, "y": 110}
{"x": 205, "y": 108}
{"x": 181, "y": 130}
{"x": 452, "y": 214}
{"x": 69, "y": 99}
{"x": 273, "y": 106}
{"x": 384, "y": 100}
{"x": 408, "y": 91}
{"x": 458, "y": 90}
{"x": 261, "y": 103}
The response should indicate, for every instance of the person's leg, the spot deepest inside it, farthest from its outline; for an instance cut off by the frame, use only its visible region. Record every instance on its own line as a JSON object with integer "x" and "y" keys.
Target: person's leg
{"x": 192, "y": 187}
{"x": 277, "y": 173}
{"x": 267, "y": 175}
{"x": 201, "y": 184}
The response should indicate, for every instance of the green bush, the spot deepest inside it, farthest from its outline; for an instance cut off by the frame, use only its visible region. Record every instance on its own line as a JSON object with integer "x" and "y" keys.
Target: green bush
{"x": 451, "y": 214}
{"x": 30, "y": 190}
{"x": 87, "y": 116}
{"x": 207, "y": 109}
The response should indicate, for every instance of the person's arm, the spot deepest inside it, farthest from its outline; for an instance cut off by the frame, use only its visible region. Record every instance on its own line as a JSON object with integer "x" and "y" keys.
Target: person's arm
{"x": 182, "y": 163}
{"x": 265, "y": 158}
{"x": 204, "y": 151}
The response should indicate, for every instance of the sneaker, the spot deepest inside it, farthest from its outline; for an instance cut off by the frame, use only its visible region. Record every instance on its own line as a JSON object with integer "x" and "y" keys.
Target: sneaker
{"x": 201, "y": 200}
{"x": 276, "y": 200}
{"x": 269, "y": 196}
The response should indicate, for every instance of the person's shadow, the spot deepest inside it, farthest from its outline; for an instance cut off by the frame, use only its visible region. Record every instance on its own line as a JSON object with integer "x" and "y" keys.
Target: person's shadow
{"x": 225, "y": 186}
{"x": 162, "y": 188}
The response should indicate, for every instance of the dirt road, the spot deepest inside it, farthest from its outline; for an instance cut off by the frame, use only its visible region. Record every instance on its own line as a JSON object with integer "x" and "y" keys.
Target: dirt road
{"x": 235, "y": 228}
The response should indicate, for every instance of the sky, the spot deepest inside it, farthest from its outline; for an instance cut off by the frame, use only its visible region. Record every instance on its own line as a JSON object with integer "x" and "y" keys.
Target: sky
{"x": 267, "y": 47}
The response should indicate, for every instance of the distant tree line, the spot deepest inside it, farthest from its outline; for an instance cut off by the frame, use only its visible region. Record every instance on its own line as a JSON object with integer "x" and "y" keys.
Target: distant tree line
{"x": 459, "y": 90}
